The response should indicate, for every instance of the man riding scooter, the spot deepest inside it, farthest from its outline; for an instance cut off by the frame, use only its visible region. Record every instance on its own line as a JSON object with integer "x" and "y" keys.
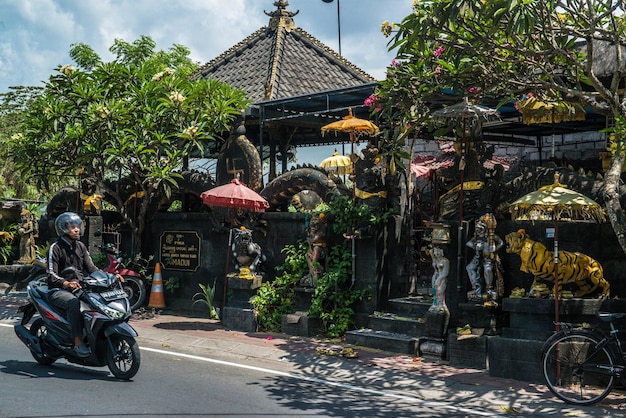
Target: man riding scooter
{"x": 69, "y": 251}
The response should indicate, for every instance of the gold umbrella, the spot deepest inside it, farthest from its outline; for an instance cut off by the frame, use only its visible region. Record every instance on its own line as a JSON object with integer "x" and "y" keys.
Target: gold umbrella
{"x": 537, "y": 111}
{"x": 354, "y": 126}
{"x": 555, "y": 202}
{"x": 337, "y": 163}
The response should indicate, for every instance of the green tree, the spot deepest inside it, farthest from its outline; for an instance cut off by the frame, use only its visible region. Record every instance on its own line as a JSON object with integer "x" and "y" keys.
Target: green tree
{"x": 551, "y": 49}
{"x": 136, "y": 118}
{"x": 13, "y": 105}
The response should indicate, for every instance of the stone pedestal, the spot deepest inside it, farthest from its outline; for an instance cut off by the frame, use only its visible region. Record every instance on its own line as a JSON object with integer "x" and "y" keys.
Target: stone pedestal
{"x": 300, "y": 323}
{"x": 432, "y": 345}
{"x": 238, "y": 313}
{"x": 491, "y": 318}
{"x": 516, "y": 354}
{"x": 468, "y": 351}
{"x": 304, "y": 295}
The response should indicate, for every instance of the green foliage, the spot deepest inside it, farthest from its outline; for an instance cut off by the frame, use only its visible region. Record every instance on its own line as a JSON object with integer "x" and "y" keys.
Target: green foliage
{"x": 488, "y": 51}
{"x": 139, "y": 117}
{"x": 8, "y": 233}
{"x": 172, "y": 283}
{"x": 334, "y": 297}
{"x": 13, "y": 106}
{"x": 351, "y": 217}
{"x": 275, "y": 299}
{"x": 206, "y": 296}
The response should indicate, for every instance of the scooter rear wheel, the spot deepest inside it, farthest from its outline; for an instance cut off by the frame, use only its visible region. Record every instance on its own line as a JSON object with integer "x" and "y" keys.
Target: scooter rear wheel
{"x": 123, "y": 358}
{"x": 135, "y": 290}
{"x": 38, "y": 329}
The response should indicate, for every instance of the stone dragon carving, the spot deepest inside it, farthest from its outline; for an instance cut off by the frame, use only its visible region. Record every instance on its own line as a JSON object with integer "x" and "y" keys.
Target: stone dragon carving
{"x": 283, "y": 188}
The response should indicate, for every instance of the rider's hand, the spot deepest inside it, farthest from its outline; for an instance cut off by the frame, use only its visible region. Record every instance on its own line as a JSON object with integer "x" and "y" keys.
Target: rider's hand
{"x": 120, "y": 278}
{"x": 72, "y": 286}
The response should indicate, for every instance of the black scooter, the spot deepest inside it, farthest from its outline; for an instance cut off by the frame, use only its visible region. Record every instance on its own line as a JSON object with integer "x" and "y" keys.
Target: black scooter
{"x": 105, "y": 309}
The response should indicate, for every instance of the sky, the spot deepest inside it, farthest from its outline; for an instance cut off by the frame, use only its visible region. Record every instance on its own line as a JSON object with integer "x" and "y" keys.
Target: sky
{"x": 36, "y": 35}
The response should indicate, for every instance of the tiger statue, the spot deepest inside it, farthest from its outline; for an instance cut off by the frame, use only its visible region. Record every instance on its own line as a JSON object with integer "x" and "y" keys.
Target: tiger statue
{"x": 574, "y": 268}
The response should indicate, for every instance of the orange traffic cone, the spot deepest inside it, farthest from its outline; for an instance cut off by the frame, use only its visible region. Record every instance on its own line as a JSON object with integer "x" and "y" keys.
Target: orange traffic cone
{"x": 157, "y": 299}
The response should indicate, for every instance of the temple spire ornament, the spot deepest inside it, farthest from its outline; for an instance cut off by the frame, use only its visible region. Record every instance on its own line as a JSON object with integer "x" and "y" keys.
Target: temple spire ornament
{"x": 281, "y": 17}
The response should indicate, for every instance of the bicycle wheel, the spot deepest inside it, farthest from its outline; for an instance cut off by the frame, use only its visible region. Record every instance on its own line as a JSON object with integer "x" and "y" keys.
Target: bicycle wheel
{"x": 576, "y": 371}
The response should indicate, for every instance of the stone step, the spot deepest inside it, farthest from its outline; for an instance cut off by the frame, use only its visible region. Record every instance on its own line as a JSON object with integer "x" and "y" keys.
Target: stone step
{"x": 396, "y": 324}
{"x": 383, "y": 340}
{"x": 409, "y": 307}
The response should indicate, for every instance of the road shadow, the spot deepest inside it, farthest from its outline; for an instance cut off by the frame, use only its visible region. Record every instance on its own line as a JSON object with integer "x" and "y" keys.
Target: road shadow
{"x": 59, "y": 370}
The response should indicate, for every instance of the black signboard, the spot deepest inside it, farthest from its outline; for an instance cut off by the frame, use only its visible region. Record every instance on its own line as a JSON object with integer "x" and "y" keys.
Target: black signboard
{"x": 180, "y": 250}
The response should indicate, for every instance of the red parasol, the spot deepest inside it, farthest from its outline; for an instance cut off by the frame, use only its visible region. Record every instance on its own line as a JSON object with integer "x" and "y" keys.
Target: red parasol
{"x": 235, "y": 195}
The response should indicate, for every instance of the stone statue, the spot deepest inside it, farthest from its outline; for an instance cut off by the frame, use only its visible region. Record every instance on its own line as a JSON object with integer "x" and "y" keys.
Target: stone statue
{"x": 441, "y": 266}
{"x": 316, "y": 254}
{"x": 485, "y": 243}
{"x": 28, "y": 231}
{"x": 246, "y": 253}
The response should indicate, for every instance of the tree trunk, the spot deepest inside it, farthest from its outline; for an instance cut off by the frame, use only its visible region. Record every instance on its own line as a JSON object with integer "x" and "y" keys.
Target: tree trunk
{"x": 612, "y": 199}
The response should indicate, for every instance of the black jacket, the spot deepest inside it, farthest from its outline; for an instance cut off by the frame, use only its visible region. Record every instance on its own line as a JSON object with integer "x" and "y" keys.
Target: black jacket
{"x": 62, "y": 254}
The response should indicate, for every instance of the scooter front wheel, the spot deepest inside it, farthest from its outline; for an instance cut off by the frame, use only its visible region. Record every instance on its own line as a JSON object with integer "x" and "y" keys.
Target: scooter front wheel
{"x": 135, "y": 290}
{"x": 39, "y": 330}
{"x": 123, "y": 358}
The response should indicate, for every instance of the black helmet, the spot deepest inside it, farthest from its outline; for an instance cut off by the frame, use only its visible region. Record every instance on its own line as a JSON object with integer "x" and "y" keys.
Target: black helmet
{"x": 61, "y": 224}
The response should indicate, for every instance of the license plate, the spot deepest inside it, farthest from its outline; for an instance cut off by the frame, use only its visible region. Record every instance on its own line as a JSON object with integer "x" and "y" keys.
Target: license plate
{"x": 113, "y": 294}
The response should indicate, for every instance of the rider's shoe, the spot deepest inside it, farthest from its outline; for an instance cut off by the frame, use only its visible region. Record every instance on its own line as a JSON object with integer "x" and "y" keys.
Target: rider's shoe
{"x": 82, "y": 351}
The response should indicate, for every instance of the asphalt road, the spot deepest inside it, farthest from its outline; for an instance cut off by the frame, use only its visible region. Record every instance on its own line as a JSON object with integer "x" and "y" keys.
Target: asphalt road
{"x": 192, "y": 367}
{"x": 180, "y": 384}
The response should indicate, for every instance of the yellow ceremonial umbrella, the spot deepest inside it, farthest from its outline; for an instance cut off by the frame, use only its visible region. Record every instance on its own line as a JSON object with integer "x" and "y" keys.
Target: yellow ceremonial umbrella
{"x": 354, "y": 126}
{"x": 538, "y": 111}
{"x": 340, "y": 164}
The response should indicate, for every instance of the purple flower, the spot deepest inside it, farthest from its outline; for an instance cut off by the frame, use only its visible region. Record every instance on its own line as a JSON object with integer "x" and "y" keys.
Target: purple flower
{"x": 438, "y": 51}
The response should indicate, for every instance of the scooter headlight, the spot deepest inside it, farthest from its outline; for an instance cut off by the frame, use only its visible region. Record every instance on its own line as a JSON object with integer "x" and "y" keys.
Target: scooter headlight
{"x": 113, "y": 313}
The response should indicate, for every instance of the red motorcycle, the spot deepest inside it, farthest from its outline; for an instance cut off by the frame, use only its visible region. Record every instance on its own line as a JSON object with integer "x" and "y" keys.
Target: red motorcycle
{"x": 134, "y": 283}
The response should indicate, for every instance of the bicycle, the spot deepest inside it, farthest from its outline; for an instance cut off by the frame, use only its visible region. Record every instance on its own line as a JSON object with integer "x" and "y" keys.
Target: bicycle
{"x": 581, "y": 366}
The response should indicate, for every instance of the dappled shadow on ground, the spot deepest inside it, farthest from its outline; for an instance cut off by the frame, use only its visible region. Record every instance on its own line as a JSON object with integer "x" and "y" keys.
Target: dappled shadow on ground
{"x": 444, "y": 390}
{"x": 59, "y": 370}
{"x": 328, "y": 380}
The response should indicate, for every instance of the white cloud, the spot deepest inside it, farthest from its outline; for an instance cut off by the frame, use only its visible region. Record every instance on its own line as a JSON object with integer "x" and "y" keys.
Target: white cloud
{"x": 37, "y": 34}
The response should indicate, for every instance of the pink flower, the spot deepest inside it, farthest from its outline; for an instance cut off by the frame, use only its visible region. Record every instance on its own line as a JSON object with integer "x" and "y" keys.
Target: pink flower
{"x": 438, "y": 69}
{"x": 395, "y": 63}
{"x": 270, "y": 338}
{"x": 438, "y": 51}
{"x": 372, "y": 101}
{"x": 473, "y": 90}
